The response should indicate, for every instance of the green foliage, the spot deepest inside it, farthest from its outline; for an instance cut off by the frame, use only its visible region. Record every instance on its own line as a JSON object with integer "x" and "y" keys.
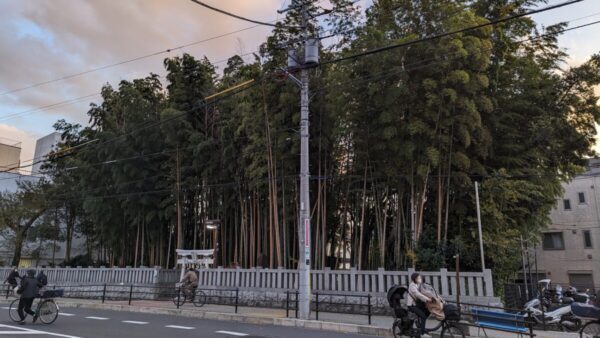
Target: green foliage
{"x": 397, "y": 140}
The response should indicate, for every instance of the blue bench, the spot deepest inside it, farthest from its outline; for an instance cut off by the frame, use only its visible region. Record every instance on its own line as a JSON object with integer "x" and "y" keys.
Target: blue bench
{"x": 503, "y": 321}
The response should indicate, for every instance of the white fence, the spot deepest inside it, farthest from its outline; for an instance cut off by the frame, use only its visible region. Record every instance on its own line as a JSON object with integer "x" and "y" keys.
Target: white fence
{"x": 471, "y": 284}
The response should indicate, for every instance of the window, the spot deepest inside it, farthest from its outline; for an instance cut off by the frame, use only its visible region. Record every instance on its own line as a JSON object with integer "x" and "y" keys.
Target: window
{"x": 553, "y": 241}
{"x": 567, "y": 204}
{"x": 581, "y": 198}
{"x": 587, "y": 239}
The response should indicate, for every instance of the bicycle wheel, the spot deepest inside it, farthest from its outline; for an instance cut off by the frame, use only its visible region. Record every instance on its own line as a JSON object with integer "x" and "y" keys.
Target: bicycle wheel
{"x": 590, "y": 330}
{"x": 451, "y": 330}
{"x": 179, "y": 298}
{"x": 199, "y": 299}
{"x": 12, "y": 311}
{"x": 47, "y": 311}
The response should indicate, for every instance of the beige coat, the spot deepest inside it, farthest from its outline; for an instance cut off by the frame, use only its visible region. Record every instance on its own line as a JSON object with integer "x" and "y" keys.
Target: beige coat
{"x": 436, "y": 306}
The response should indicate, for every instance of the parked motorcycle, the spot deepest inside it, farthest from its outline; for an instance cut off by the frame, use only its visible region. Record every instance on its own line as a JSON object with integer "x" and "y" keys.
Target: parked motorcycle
{"x": 561, "y": 317}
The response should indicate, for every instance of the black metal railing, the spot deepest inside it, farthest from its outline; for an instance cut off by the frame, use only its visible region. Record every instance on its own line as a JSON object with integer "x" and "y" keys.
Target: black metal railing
{"x": 320, "y": 299}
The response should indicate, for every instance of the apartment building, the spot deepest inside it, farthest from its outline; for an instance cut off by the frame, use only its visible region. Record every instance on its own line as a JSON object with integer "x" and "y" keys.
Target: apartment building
{"x": 569, "y": 253}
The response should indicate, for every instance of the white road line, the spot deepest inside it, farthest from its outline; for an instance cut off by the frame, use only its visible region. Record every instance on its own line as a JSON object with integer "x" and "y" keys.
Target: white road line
{"x": 134, "y": 322}
{"x": 231, "y": 333}
{"x": 180, "y": 327}
{"x": 23, "y": 331}
{"x": 97, "y": 318}
{"x": 66, "y": 314}
{"x": 6, "y": 308}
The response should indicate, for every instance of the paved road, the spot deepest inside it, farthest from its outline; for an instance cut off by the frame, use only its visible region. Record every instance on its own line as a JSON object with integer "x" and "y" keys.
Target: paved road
{"x": 88, "y": 323}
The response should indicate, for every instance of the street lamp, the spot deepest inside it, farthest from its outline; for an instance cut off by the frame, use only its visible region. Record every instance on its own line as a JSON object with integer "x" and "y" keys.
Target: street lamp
{"x": 213, "y": 225}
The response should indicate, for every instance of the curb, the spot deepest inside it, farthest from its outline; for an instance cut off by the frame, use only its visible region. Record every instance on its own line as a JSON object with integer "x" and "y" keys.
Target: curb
{"x": 236, "y": 317}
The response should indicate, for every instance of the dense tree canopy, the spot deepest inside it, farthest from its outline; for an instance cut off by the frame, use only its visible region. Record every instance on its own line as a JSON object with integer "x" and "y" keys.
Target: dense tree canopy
{"x": 398, "y": 139}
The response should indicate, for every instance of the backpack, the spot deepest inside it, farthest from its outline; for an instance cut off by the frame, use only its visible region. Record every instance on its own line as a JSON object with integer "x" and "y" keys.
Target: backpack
{"x": 42, "y": 279}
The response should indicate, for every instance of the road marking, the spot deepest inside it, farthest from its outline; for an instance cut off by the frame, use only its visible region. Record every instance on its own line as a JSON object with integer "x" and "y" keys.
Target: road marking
{"x": 6, "y": 308}
{"x": 134, "y": 322}
{"x": 231, "y": 333}
{"x": 21, "y": 330}
{"x": 97, "y": 318}
{"x": 66, "y": 314}
{"x": 180, "y": 327}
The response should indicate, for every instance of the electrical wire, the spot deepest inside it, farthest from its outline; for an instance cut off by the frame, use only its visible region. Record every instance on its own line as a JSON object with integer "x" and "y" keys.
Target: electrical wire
{"x": 235, "y": 15}
{"x": 92, "y": 70}
{"x": 525, "y": 40}
{"x": 442, "y": 35}
{"x": 424, "y": 63}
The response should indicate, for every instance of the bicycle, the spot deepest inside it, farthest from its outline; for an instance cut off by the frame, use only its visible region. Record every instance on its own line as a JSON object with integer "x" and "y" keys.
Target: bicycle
{"x": 406, "y": 328}
{"x": 45, "y": 307}
{"x": 189, "y": 294}
{"x": 591, "y": 329}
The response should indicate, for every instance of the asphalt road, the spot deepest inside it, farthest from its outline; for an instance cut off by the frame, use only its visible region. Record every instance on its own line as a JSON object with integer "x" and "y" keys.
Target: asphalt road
{"x": 88, "y": 323}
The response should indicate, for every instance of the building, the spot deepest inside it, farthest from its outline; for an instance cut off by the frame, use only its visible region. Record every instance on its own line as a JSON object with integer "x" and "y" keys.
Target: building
{"x": 9, "y": 182}
{"x": 569, "y": 252}
{"x": 10, "y": 155}
{"x": 43, "y": 147}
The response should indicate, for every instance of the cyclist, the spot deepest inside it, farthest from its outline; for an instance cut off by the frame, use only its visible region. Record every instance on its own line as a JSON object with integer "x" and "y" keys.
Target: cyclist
{"x": 29, "y": 290}
{"x": 12, "y": 278}
{"x": 190, "y": 282}
{"x": 42, "y": 279}
{"x": 416, "y": 301}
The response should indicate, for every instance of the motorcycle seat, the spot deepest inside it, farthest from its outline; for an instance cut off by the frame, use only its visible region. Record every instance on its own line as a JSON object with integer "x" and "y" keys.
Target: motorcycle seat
{"x": 585, "y": 310}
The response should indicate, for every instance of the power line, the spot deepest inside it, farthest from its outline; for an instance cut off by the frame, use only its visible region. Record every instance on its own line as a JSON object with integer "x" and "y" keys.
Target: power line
{"x": 169, "y": 50}
{"x": 415, "y": 66}
{"x": 235, "y": 15}
{"x": 388, "y": 73}
{"x": 442, "y": 35}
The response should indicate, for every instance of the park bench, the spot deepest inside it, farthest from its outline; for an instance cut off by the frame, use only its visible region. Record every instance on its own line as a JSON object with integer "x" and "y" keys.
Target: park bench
{"x": 502, "y": 321}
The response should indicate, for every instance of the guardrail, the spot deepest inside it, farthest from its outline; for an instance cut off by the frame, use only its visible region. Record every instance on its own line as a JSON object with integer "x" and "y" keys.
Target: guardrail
{"x": 319, "y": 299}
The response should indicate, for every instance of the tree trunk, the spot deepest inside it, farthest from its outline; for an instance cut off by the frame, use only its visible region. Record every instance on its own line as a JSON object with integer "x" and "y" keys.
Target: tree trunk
{"x": 19, "y": 238}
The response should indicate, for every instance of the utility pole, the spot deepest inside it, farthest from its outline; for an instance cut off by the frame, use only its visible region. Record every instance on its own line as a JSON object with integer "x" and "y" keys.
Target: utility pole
{"x": 479, "y": 227}
{"x": 311, "y": 58}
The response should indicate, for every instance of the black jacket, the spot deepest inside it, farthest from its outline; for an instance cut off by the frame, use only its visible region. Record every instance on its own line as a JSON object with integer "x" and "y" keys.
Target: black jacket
{"x": 42, "y": 279}
{"x": 29, "y": 287}
{"x": 12, "y": 277}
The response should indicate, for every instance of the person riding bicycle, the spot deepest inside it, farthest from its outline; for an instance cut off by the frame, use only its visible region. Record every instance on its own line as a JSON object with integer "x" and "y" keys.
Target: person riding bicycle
{"x": 190, "y": 281}
{"x": 42, "y": 280}
{"x": 12, "y": 278}
{"x": 28, "y": 290}
{"x": 416, "y": 301}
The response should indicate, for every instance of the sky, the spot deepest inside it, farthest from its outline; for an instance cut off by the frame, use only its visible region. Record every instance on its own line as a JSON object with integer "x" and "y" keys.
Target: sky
{"x": 47, "y": 40}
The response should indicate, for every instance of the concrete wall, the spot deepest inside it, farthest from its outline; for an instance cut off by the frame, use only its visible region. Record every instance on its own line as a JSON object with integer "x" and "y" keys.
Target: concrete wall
{"x": 10, "y": 155}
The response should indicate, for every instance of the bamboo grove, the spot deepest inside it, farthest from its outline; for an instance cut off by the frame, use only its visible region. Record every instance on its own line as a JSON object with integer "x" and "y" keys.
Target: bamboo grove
{"x": 398, "y": 139}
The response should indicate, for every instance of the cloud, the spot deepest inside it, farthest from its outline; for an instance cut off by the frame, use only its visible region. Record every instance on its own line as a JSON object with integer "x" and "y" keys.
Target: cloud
{"x": 40, "y": 41}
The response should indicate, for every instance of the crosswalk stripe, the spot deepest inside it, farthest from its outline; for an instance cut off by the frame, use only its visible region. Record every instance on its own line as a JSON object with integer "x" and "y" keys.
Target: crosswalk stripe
{"x": 231, "y": 333}
{"x": 134, "y": 322}
{"x": 180, "y": 327}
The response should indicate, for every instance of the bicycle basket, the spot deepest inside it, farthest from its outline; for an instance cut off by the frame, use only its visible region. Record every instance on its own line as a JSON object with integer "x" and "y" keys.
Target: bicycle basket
{"x": 53, "y": 293}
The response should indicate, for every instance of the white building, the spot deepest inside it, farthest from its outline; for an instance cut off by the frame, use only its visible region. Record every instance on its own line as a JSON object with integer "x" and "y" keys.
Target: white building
{"x": 43, "y": 147}
{"x": 569, "y": 252}
{"x": 9, "y": 182}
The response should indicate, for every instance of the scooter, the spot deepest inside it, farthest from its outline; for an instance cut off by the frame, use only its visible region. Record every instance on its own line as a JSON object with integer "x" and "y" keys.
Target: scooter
{"x": 561, "y": 317}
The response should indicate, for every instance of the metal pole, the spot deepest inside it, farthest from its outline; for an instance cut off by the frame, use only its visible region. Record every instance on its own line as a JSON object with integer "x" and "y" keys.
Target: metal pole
{"x": 103, "y": 293}
{"x": 304, "y": 226}
{"x": 524, "y": 271}
{"x": 369, "y": 307}
{"x": 479, "y": 226}
{"x": 457, "y": 261}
